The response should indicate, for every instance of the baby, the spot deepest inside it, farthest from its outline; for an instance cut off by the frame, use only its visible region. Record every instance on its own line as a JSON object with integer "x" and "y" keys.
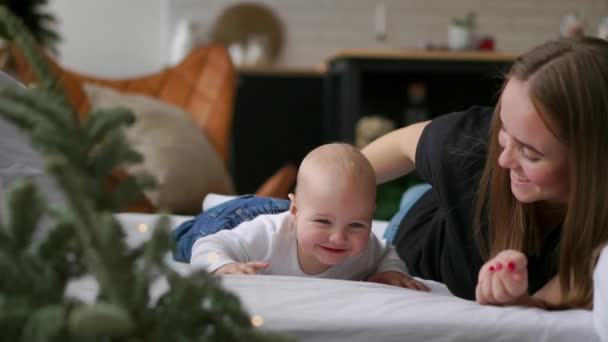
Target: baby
{"x": 326, "y": 232}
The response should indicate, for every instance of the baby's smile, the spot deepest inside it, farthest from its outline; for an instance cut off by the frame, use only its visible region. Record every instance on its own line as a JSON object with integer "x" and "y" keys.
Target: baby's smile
{"x": 334, "y": 250}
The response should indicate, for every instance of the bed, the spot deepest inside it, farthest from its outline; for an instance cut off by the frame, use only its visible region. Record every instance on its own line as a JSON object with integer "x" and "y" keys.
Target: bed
{"x": 337, "y": 310}
{"x": 333, "y": 310}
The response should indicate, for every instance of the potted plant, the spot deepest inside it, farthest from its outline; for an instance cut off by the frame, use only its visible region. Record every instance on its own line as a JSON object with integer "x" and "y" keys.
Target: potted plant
{"x": 460, "y": 32}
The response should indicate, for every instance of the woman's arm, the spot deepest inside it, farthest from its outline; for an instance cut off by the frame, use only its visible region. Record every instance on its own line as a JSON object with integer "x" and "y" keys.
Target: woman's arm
{"x": 394, "y": 154}
{"x": 548, "y": 297}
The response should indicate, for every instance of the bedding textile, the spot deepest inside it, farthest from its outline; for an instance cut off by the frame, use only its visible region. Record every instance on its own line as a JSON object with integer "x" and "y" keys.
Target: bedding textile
{"x": 600, "y": 299}
{"x": 339, "y": 310}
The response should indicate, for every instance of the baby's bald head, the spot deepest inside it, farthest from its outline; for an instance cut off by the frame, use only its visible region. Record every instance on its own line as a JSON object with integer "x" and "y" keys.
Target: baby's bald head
{"x": 337, "y": 164}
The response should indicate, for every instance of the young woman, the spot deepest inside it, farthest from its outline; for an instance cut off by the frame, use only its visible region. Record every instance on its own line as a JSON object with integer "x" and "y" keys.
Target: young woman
{"x": 519, "y": 197}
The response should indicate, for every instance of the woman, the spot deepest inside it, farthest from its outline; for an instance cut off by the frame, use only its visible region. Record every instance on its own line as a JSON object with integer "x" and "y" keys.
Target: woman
{"x": 518, "y": 204}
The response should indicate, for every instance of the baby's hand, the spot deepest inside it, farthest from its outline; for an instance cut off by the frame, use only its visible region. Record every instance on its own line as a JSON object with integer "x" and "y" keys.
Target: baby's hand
{"x": 503, "y": 280}
{"x": 252, "y": 267}
{"x": 398, "y": 279}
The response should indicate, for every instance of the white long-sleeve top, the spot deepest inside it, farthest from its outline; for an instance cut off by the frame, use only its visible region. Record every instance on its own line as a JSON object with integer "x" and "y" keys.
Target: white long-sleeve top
{"x": 272, "y": 238}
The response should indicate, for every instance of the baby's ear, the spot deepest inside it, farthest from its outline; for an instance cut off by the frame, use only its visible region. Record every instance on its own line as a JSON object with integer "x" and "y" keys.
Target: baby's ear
{"x": 292, "y": 207}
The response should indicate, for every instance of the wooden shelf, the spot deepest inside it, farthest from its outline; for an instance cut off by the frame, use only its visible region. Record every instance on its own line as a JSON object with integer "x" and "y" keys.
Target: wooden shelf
{"x": 282, "y": 70}
{"x": 444, "y": 55}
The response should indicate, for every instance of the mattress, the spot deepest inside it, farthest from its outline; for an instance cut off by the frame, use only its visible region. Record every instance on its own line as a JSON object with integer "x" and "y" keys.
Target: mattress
{"x": 338, "y": 310}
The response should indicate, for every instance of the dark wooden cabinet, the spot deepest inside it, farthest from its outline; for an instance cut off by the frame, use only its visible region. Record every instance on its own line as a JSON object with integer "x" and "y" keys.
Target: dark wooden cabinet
{"x": 277, "y": 120}
{"x": 360, "y": 83}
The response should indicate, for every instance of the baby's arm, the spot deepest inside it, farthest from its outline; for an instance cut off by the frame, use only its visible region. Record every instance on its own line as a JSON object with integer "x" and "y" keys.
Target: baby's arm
{"x": 391, "y": 269}
{"x": 252, "y": 267}
{"x": 236, "y": 251}
{"x": 398, "y": 279}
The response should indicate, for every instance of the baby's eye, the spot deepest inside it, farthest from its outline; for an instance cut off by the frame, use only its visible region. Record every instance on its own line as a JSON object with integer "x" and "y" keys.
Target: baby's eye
{"x": 357, "y": 225}
{"x": 322, "y": 221}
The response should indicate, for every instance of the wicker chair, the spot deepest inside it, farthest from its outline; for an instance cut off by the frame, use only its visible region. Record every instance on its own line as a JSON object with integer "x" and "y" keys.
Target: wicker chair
{"x": 203, "y": 84}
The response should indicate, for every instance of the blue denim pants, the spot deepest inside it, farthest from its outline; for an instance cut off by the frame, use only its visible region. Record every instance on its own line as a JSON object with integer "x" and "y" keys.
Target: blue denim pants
{"x": 410, "y": 196}
{"x": 224, "y": 216}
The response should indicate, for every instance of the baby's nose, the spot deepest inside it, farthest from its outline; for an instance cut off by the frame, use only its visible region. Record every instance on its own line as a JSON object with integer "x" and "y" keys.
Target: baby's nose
{"x": 338, "y": 235}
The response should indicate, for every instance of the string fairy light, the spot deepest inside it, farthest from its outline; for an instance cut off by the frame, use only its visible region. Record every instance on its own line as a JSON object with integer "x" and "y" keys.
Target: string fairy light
{"x": 257, "y": 321}
{"x": 142, "y": 228}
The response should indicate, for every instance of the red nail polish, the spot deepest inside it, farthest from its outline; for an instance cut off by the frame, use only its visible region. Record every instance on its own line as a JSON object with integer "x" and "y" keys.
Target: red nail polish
{"x": 492, "y": 269}
{"x": 499, "y": 266}
{"x": 511, "y": 266}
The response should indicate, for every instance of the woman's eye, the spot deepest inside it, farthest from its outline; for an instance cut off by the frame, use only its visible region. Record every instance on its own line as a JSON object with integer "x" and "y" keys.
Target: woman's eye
{"x": 529, "y": 154}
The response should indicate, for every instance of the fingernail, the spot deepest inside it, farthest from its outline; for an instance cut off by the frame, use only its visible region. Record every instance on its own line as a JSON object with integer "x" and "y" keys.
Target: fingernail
{"x": 492, "y": 268}
{"x": 499, "y": 266}
{"x": 511, "y": 266}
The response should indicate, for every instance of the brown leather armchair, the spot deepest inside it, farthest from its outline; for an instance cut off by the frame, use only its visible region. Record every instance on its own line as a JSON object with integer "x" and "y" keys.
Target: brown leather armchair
{"x": 202, "y": 84}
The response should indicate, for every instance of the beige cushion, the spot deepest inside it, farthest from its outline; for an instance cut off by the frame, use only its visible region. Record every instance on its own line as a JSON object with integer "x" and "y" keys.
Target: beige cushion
{"x": 175, "y": 151}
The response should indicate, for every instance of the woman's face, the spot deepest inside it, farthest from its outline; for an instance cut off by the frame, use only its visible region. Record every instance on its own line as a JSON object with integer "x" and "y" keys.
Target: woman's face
{"x": 536, "y": 160}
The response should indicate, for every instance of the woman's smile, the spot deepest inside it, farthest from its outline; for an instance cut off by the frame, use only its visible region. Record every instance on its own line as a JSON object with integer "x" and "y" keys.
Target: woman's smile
{"x": 519, "y": 179}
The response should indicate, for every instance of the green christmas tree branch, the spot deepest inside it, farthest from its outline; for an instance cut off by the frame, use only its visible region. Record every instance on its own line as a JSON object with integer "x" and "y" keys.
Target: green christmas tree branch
{"x": 84, "y": 237}
{"x": 12, "y": 30}
{"x": 39, "y": 21}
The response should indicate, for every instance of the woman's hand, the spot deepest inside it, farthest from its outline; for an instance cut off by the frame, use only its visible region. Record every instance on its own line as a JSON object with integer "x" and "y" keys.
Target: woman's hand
{"x": 242, "y": 268}
{"x": 503, "y": 280}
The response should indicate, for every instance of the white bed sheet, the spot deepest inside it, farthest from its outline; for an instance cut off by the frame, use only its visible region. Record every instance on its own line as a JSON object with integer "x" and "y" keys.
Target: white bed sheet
{"x": 600, "y": 296}
{"x": 336, "y": 310}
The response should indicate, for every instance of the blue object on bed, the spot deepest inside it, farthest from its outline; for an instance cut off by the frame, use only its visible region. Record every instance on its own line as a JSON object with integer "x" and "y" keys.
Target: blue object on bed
{"x": 223, "y": 216}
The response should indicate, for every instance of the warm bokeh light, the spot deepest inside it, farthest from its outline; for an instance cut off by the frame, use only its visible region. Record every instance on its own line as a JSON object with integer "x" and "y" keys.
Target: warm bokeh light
{"x": 257, "y": 321}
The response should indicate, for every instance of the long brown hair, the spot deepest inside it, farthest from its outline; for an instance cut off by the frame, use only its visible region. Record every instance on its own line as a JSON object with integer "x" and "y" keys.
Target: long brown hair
{"x": 568, "y": 82}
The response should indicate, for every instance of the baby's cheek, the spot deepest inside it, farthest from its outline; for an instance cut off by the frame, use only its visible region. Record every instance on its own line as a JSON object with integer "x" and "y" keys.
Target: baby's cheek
{"x": 359, "y": 244}
{"x": 305, "y": 240}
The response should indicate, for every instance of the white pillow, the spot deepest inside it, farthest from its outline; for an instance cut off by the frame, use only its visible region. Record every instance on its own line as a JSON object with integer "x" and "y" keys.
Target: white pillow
{"x": 175, "y": 150}
{"x": 600, "y": 296}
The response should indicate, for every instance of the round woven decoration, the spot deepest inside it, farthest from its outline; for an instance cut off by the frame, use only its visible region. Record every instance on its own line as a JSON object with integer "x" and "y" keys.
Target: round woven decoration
{"x": 239, "y": 22}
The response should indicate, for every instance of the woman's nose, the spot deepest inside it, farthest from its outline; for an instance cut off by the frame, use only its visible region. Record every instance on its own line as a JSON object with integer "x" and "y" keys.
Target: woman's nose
{"x": 507, "y": 158}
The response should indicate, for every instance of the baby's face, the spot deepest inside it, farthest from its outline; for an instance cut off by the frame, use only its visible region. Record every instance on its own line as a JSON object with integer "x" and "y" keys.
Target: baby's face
{"x": 331, "y": 226}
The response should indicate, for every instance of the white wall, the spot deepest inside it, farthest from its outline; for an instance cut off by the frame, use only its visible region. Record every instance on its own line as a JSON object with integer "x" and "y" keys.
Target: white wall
{"x": 315, "y": 29}
{"x": 112, "y": 38}
{"x": 129, "y": 37}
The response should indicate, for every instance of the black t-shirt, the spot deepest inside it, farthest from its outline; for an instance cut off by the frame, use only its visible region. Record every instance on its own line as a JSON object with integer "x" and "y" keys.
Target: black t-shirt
{"x": 436, "y": 237}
